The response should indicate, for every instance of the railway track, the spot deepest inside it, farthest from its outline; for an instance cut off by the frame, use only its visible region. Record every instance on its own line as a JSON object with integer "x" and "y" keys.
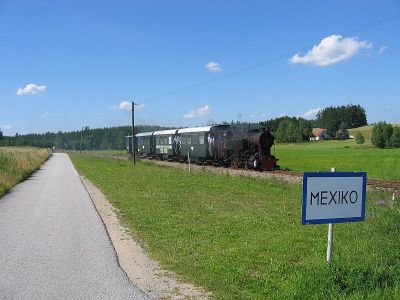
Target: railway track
{"x": 285, "y": 174}
{"x": 392, "y": 185}
{"x": 387, "y": 184}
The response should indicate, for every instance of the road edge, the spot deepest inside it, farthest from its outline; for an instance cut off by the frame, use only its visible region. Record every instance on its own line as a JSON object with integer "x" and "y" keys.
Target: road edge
{"x": 143, "y": 272}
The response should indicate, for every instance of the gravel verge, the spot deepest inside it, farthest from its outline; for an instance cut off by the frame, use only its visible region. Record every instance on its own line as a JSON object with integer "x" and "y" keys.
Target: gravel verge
{"x": 274, "y": 175}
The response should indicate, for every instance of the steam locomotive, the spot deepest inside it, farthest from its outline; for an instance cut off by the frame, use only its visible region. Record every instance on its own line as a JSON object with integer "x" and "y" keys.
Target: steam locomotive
{"x": 224, "y": 145}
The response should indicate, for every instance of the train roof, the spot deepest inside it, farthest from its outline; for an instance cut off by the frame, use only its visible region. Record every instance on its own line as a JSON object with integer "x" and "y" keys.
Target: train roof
{"x": 195, "y": 129}
{"x": 169, "y": 131}
{"x": 203, "y": 129}
{"x": 144, "y": 134}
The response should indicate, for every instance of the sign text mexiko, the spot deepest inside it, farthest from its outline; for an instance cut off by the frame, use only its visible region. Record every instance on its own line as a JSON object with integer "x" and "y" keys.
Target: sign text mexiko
{"x": 334, "y": 197}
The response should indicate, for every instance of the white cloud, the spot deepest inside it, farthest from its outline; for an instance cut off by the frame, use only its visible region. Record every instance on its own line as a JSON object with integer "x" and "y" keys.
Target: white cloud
{"x": 252, "y": 116}
{"x": 331, "y": 50}
{"x": 5, "y": 127}
{"x": 263, "y": 115}
{"x": 213, "y": 66}
{"x": 31, "y": 89}
{"x": 127, "y": 105}
{"x": 310, "y": 114}
{"x": 205, "y": 110}
{"x": 44, "y": 115}
{"x": 382, "y": 49}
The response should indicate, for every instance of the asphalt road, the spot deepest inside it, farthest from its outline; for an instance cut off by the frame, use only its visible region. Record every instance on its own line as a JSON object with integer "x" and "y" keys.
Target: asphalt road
{"x": 53, "y": 244}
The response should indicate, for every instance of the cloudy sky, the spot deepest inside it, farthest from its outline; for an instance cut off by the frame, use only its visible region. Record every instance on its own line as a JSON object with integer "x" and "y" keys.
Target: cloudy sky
{"x": 68, "y": 64}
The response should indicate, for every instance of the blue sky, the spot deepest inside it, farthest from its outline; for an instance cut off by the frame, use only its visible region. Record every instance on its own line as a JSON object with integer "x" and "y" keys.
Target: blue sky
{"x": 68, "y": 64}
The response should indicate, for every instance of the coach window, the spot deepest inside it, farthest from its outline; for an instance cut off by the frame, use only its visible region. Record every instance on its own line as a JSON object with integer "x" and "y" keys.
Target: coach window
{"x": 189, "y": 140}
{"x": 195, "y": 139}
{"x": 201, "y": 139}
{"x": 183, "y": 140}
{"x": 169, "y": 140}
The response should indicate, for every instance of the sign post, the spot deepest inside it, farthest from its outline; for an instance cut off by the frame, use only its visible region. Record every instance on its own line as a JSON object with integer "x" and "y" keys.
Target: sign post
{"x": 333, "y": 197}
{"x": 329, "y": 248}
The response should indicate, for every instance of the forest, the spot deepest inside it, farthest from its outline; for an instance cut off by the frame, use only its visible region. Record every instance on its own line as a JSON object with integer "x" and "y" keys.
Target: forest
{"x": 286, "y": 130}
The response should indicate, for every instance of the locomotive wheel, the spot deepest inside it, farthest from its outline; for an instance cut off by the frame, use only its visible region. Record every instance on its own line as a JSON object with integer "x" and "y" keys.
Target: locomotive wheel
{"x": 235, "y": 164}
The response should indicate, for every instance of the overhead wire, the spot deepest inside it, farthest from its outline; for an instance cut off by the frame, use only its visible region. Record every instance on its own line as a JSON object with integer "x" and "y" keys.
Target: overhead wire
{"x": 376, "y": 23}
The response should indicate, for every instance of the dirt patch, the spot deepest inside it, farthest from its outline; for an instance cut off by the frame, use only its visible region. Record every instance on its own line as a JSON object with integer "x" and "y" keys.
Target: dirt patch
{"x": 145, "y": 273}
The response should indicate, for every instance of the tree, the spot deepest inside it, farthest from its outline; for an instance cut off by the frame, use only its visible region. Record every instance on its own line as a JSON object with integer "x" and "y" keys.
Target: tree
{"x": 1, "y": 134}
{"x": 343, "y": 133}
{"x": 395, "y": 138}
{"x": 381, "y": 135}
{"x": 360, "y": 138}
{"x": 331, "y": 118}
{"x": 59, "y": 140}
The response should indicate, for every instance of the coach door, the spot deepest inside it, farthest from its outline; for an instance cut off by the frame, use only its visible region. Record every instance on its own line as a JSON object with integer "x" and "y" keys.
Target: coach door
{"x": 220, "y": 143}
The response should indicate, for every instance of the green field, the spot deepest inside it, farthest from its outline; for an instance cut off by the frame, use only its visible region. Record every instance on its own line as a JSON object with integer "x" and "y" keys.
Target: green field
{"x": 344, "y": 155}
{"x": 242, "y": 238}
{"x": 16, "y": 163}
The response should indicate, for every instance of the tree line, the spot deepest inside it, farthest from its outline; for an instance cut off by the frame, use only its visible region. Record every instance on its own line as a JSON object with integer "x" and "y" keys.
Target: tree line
{"x": 90, "y": 139}
{"x": 336, "y": 120}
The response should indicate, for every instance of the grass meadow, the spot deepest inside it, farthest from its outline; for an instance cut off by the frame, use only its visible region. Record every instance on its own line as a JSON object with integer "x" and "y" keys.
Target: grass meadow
{"x": 18, "y": 163}
{"x": 242, "y": 238}
{"x": 344, "y": 155}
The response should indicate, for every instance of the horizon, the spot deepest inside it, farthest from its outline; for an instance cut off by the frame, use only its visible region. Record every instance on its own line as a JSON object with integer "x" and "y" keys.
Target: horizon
{"x": 72, "y": 64}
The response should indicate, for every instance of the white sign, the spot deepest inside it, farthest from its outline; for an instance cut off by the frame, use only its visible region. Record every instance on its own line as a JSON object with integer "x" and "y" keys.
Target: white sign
{"x": 333, "y": 197}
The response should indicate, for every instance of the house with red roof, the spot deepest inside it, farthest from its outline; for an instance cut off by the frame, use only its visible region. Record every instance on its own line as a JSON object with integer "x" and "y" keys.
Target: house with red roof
{"x": 319, "y": 134}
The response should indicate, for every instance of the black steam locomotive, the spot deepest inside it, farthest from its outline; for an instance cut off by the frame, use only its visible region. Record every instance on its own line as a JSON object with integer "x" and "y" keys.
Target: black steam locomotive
{"x": 225, "y": 145}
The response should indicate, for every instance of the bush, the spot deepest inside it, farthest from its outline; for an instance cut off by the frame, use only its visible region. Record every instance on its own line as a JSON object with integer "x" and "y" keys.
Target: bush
{"x": 360, "y": 138}
{"x": 395, "y": 139}
{"x": 381, "y": 135}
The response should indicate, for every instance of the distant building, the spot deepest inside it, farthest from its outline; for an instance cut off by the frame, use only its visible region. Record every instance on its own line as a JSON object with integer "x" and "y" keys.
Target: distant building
{"x": 319, "y": 134}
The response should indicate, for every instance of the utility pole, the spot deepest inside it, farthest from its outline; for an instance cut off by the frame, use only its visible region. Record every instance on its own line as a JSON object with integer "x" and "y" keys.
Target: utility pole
{"x": 80, "y": 147}
{"x": 133, "y": 132}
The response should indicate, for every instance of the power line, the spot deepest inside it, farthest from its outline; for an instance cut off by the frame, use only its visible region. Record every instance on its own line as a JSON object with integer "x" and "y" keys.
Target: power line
{"x": 270, "y": 60}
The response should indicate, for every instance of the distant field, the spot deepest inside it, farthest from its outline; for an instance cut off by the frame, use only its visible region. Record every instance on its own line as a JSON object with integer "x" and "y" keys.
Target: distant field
{"x": 344, "y": 155}
{"x": 365, "y": 131}
{"x": 242, "y": 238}
{"x": 18, "y": 163}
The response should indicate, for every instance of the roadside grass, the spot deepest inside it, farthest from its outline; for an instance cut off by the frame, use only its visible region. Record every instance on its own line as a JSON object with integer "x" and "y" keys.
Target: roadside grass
{"x": 242, "y": 238}
{"x": 17, "y": 163}
{"x": 345, "y": 155}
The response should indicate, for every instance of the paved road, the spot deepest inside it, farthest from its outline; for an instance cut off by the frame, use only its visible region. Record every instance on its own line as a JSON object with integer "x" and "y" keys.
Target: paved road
{"x": 53, "y": 244}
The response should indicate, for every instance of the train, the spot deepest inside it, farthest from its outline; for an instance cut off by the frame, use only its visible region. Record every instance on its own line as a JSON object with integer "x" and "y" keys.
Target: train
{"x": 221, "y": 145}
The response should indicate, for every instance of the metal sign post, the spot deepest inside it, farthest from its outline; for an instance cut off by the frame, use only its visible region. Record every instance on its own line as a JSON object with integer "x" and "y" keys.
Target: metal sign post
{"x": 329, "y": 248}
